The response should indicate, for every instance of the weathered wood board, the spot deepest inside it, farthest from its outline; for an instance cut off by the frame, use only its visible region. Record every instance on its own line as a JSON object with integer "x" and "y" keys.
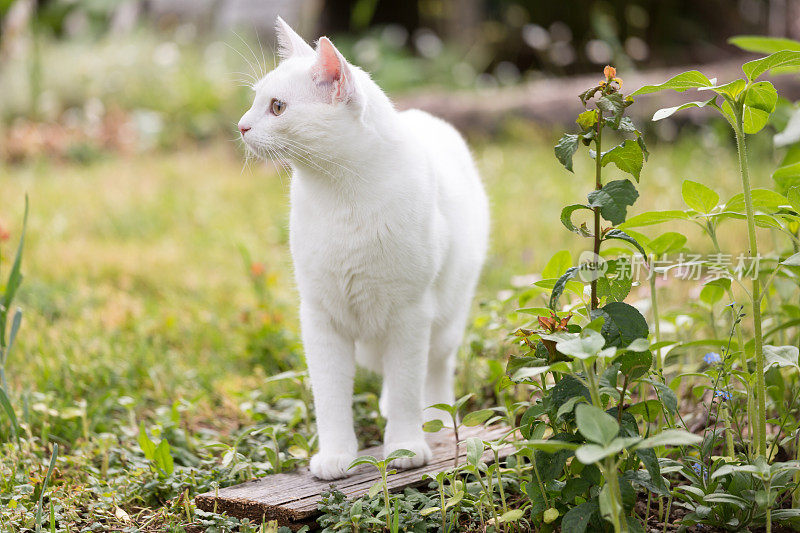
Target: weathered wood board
{"x": 292, "y": 498}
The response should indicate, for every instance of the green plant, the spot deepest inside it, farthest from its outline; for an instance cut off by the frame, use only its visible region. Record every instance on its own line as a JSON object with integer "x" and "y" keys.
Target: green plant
{"x": 390, "y": 510}
{"x": 472, "y": 419}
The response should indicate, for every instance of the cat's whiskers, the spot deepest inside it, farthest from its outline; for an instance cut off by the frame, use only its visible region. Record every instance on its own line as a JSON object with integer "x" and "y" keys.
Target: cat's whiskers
{"x": 249, "y": 63}
{"x": 279, "y": 164}
{"x": 260, "y": 70}
{"x": 309, "y": 155}
{"x": 261, "y": 47}
{"x": 305, "y": 159}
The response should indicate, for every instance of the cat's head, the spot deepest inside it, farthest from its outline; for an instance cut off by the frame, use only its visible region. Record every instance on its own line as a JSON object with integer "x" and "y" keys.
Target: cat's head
{"x": 309, "y": 103}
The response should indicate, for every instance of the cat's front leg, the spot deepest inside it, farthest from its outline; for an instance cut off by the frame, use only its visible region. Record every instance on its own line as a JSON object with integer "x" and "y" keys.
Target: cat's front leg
{"x": 331, "y": 365}
{"x": 404, "y": 366}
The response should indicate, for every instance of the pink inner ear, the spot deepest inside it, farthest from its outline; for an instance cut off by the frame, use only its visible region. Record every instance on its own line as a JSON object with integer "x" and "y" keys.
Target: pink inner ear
{"x": 329, "y": 68}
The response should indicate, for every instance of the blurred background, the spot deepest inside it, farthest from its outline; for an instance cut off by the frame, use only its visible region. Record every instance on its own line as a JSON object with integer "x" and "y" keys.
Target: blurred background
{"x": 158, "y": 292}
{"x": 80, "y": 76}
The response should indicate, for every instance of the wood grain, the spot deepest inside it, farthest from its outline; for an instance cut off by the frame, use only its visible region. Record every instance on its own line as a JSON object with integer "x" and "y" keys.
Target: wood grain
{"x": 292, "y": 498}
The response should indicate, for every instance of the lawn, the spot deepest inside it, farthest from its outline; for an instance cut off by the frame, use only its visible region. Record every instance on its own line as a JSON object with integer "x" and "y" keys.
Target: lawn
{"x": 158, "y": 294}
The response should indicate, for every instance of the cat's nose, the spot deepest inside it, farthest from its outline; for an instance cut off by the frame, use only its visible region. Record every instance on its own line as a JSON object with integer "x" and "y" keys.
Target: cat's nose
{"x": 243, "y": 128}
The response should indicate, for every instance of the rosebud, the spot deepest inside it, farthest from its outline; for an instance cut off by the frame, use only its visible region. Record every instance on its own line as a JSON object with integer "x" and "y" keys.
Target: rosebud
{"x": 610, "y": 72}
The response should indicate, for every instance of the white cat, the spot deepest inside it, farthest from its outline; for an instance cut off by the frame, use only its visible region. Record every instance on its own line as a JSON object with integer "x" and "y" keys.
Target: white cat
{"x": 388, "y": 231}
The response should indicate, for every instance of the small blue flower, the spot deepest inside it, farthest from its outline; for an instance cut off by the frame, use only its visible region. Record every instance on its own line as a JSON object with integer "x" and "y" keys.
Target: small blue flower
{"x": 700, "y": 470}
{"x": 722, "y": 395}
{"x": 712, "y": 358}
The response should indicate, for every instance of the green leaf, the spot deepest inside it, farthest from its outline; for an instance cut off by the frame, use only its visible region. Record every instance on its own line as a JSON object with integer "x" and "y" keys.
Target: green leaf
{"x": 627, "y": 156}
{"x": 595, "y": 424}
{"x": 634, "y": 364}
{"x": 558, "y": 288}
{"x": 614, "y": 289}
{"x": 651, "y": 218}
{"x": 614, "y": 105}
{"x": 730, "y": 90}
{"x": 14, "y": 277}
{"x": 397, "y": 454}
{"x": 528, "y": 372}
{"x": 792, "y": 260}
{"x": 670, "y": 437}
{"x": 613, "y": 199}
{"x": 592, "y": 453}
{"x": 587, "y": 119}
{"x": 557, "y": 265}
{"x": 375, "y": 488}
{"x": 577, "y": 519}
{"x": 762, "y": 95}
{"x": 44, "y": 487}
{"x": 648, "y": 409}
{"x": 781, "y": 356}
{"x": 686, "y": 80}
{"x": 511, "y": 516}
{"x": 550, "y": 446}
{"x": 624, "y": 324}
{"x": 147, "y": 445}
{"x": 669, "y": 111}
{"x": 698, "y": 196}
{"x": 587, "y": 344}
{"x": 566, "y": 220}
{"x": 764, "y": 200}
{"x": 432, "y": 426}
{"x": 449, "y": 409}
{"x": 793, "y": 195}
{"x": 5, "y": 403}
{"x": 784, "y": 58}
{"x": 788, "y": 176}
{"x": 764, "y": 45}
{"x": 666, "y": 243}
{"x": 474, "y": 450}
{"x": 712, "y": 293}
{"x": 163, "y": 457}
{"x": 454, "y": 500}
{"x": 720, "y": 497}
{"x": 759, "y": 103}
{"x": 622, "y": 236}
{"x": 363, "y": 460}
{"x": 566, "y": 148}
{"x": 477, "y": 417}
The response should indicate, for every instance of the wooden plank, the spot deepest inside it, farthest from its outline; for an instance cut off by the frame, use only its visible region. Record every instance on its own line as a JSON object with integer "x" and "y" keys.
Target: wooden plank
{"x": 292, "y": 498}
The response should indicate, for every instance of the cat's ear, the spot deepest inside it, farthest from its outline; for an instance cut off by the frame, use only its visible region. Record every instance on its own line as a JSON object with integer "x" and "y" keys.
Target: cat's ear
{"x": 289, "y": 42}
{"x": 332, "y": 71}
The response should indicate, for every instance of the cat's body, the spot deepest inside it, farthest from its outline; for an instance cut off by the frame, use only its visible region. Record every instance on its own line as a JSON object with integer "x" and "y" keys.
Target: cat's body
{"x": 388, "y": 232}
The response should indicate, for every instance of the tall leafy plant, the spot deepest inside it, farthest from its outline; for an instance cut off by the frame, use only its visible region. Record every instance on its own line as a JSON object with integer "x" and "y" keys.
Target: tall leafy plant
{"x": 746, "y": 104}
{"x": 586, "y": 369}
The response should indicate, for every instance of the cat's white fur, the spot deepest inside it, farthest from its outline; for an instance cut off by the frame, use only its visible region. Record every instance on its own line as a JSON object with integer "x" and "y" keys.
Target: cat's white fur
{"x": 388, "y": 231}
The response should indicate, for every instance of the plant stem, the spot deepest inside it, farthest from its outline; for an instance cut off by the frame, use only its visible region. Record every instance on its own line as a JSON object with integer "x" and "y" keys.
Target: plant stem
{"x": 617, "y": 518}
{"x": 598, "y": 184}
{"x": 739, "y": 339}
{"x": 656, "y": 324}
{"x": 761, "y": 406}
{"x": 594, "y": 390}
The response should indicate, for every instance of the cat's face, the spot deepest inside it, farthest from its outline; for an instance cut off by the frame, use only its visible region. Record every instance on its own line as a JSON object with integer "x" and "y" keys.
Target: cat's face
{"x": 305, "y": 105}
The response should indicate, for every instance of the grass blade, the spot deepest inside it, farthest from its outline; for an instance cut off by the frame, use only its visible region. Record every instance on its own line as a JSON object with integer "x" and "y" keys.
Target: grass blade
{"x": 44, "y": 488}
{"x": 6, "y": 404}
{"x": 14, "y": 279}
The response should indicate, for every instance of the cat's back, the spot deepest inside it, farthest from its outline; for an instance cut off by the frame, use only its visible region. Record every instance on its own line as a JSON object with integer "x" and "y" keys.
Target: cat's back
{"x": 435, "y": 135}
{"x": 448, "y": 155}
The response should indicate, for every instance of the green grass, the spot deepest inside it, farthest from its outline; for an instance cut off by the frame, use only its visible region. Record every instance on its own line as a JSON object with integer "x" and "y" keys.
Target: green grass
{"x": 139, "y": 308}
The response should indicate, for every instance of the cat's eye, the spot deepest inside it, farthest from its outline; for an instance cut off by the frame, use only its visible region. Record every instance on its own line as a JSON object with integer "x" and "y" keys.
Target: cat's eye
{"x": 277, "y": 106}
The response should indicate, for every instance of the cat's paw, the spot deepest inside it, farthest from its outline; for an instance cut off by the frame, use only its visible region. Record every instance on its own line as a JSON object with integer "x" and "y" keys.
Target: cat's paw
{"x": 419, "y": 447}
{"x": 331, "y": 465}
